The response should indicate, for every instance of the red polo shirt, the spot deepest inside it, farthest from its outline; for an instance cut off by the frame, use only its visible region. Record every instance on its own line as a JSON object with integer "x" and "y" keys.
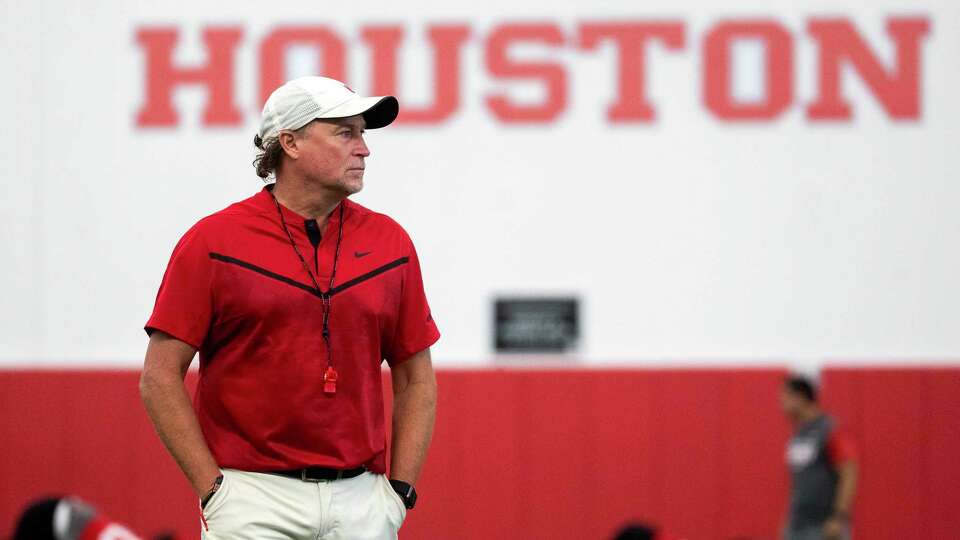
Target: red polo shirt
{"x": 235, "y": 290}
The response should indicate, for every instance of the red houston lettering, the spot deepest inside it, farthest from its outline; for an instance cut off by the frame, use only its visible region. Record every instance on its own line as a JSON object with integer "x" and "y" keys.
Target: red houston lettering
{"x": 778, "y": 68}
{"x": 275, "y": 44}
{"x": 162, "y": 76}
{"x": 894, "y": 81}
{"x": 553, "y": 75}
{"x": 384, "y": 42}
{"x": 631, "y": 39}
{"x": 446, "y": 41}
{"x": 898, "y": 91}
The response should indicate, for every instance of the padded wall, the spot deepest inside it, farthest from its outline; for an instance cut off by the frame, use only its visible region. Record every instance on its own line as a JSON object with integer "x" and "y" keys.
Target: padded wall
{"x": 538, "y": 453}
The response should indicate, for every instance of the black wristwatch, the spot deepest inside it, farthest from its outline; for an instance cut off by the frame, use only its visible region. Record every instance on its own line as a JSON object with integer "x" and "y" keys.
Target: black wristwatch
{"x": 406, "y": 493}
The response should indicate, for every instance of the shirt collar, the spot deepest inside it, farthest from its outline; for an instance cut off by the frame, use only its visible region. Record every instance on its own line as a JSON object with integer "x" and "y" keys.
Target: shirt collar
{"x": 265, "y": 202}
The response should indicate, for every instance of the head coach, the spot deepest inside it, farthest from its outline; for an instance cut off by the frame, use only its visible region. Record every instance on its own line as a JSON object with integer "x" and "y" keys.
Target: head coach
{"x": 294, "y": 297}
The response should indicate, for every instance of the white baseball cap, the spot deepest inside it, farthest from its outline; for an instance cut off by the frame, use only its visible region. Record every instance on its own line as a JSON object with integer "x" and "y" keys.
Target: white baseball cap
{"x": 299, "y": 101}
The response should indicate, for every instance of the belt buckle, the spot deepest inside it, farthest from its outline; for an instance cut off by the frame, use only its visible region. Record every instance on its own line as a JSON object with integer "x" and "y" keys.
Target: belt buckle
{"x": 305, "y": 478}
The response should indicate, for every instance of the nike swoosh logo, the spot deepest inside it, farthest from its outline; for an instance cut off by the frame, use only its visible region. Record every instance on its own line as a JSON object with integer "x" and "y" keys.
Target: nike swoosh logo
{"x": 359, "y": 254}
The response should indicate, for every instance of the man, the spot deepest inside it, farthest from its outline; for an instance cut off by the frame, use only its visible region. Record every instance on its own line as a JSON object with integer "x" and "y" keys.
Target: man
{"x": 823, "y": 466}
{"x": 294, "y": 297}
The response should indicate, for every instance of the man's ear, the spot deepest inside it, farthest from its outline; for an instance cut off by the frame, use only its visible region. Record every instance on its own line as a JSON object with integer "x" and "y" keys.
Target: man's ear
{"x": 288, "y": 141}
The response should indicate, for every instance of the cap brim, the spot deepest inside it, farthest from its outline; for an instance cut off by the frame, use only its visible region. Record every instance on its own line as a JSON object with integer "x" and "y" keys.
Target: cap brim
{"x": 377, "y": 111}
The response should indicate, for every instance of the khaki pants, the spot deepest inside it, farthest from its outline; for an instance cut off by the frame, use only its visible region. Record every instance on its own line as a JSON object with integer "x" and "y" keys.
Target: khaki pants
{"x": 258, "y": 506}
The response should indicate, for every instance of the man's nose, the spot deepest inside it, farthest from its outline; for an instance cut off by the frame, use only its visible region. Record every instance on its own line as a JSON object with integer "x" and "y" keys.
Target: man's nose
{"x": 362, "y": 150}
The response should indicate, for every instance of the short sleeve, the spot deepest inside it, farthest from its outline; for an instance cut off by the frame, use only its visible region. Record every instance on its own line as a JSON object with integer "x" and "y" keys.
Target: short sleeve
{"x": 415, "y": 328}
{"x": 184, "y": 306}
{"x": 841, "y": 448}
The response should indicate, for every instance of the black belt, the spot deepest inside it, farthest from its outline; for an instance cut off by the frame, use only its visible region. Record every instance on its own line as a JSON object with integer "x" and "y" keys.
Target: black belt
{"x": 321, "y": 474}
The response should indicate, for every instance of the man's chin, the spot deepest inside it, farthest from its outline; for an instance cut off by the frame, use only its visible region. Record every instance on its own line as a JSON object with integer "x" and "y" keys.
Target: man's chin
{"x": 353, "y": 182}
{"x": 351, "y": 187}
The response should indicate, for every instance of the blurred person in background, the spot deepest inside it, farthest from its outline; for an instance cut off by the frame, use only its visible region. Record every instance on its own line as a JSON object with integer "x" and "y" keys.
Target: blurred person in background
{"x": 67, "y": 518}
{"x": 643, "y": 531}
{"x": 294, "y": 297}
{"x": 823, "y": 468}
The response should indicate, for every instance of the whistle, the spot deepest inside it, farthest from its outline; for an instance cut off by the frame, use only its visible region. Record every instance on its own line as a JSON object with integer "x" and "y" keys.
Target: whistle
{"x": 330, "y": 381}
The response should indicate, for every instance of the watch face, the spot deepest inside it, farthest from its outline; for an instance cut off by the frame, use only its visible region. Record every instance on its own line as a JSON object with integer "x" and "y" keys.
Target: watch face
{"x": 406, "y": 491}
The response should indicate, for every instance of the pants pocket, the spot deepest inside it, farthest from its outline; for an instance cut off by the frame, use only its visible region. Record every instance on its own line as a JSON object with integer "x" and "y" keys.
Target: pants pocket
{"x": 396, "y": 510}
{"x": 215, "y": 504}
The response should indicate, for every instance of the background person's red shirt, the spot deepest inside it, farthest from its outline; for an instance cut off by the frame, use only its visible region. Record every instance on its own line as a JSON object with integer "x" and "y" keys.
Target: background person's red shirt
{"x": 235, "y": 289}
{"x": 841, "y": 448}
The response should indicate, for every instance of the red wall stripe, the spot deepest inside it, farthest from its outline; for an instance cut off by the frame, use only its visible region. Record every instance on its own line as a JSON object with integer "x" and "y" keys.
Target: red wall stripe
{"x": 539, "y": 453}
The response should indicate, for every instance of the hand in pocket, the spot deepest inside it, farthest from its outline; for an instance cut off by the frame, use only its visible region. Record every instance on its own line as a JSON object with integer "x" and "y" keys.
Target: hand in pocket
{"x": 216, "y": 500}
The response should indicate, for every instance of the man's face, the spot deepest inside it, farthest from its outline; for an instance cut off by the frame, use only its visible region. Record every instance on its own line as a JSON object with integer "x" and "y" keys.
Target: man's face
{"x": 792, "y": 404}
{"x": 332, "y": 153}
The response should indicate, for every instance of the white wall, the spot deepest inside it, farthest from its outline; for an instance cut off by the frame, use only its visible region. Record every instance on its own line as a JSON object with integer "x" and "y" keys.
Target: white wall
{"x": 690, "y": 240}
